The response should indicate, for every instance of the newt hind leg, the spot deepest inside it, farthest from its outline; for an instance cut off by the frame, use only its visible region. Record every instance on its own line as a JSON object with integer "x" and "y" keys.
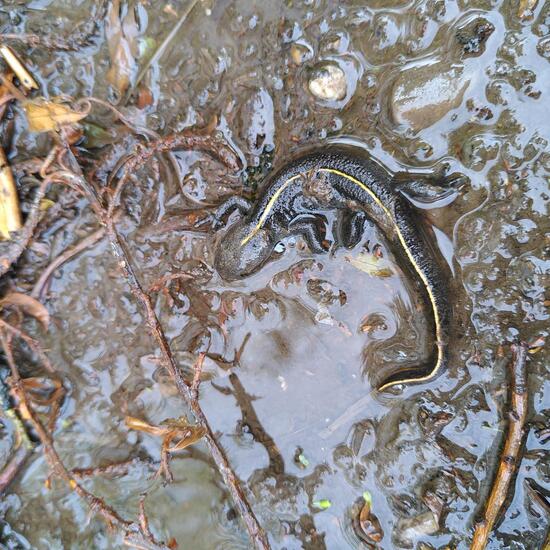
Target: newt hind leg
{"x": 350, "y": 226}
{"x": 309, "y": 228}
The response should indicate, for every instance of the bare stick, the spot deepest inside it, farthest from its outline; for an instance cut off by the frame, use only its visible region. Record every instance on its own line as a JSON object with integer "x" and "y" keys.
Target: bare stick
{"x": 255, "y": 531}
{"x": 114, "y": 469}
{"x": 510, "y": 454}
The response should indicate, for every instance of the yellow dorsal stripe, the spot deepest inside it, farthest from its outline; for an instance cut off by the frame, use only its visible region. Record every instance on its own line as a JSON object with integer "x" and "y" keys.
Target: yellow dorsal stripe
{"x": 268, "y": 208}
{"x": 437, "y": 319}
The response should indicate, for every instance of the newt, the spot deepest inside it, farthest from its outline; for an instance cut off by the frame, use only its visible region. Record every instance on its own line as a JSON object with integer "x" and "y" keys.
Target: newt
{"x": 344, "y": 178}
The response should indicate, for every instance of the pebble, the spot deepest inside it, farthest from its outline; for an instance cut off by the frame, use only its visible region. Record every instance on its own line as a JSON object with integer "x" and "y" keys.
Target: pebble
{"x": 328, "y": 82}
{"x": 422, "y": 96}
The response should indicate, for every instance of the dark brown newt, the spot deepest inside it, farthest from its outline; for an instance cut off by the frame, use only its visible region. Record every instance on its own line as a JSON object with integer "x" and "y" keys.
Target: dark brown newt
{"x": 346, "y": 179}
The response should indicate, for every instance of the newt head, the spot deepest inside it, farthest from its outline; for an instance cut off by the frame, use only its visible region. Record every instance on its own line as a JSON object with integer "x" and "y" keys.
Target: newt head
{"x": 242, "y": 250}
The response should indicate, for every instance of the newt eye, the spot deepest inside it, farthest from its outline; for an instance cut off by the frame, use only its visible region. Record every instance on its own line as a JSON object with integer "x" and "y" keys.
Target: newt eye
{"x": 279, "y": 248}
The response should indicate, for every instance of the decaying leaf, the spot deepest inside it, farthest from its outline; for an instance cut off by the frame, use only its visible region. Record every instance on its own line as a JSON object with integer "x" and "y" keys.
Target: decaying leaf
{"x": 122, "y": 34}
{"x": 18, "y": 68}
{"x": 526, "y": 9}
{"x": 371, "y": 264}
{"x": 172, "y": 429}
{"x": 45, "y": 116}
{"x": 28, "y": 305}
{"x": 177, "y": 434}
{"x": 369, "y": 528}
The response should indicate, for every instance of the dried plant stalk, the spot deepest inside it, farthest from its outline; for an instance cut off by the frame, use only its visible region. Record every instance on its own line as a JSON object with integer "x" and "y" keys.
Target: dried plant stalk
{"x": 10, "y": 214}
{"x": 18, "y": 68}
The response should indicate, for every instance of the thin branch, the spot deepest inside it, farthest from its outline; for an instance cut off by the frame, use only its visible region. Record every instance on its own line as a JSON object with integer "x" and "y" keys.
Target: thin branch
{"x": 64, "y": 257}
{"x": 206, "y": 140}
{"x": 115, "y": 469}
{"x": 218, "y": 148}
{"x": 255, "y": 531}
{"x": 13, "y": 467}
{"x": 510, "y": 455}
{"x": 197, "y": 368}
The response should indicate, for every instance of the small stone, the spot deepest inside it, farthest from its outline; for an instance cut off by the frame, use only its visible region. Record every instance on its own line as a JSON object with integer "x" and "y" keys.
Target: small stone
{"x": 421, "y": 97}
{"x": 409, "y": 529}
{"x": 328, "y": 82}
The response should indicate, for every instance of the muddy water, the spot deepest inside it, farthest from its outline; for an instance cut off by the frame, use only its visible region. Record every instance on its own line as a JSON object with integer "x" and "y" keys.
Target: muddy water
{"x": 429, "y": 86}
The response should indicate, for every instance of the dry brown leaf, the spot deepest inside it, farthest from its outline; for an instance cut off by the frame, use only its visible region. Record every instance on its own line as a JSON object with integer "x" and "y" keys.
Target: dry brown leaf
{"x": 172, "y": 429}
{"x": 45, "y": 116}
{"x": 28, "y": 305}
{"x": 123, "y": 46}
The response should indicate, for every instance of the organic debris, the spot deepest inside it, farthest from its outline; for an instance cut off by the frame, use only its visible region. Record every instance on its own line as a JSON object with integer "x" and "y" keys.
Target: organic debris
{"x": 371, "y": 263}
{"x": 122, "y": 32}
{"x": 367, "y": 526}
{"x": 48, "y": 116}
{"x": 18, "y": 68}
{"x": 176, "y": 433}
{"x": 10, "y": 215}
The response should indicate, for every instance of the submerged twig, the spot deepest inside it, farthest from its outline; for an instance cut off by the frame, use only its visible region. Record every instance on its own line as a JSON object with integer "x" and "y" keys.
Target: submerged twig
{"x": 114, "y": 469}
{"x": 206, "y": 140}
{"x": 13, "y": 467}
{"x": 510, "y": 454}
